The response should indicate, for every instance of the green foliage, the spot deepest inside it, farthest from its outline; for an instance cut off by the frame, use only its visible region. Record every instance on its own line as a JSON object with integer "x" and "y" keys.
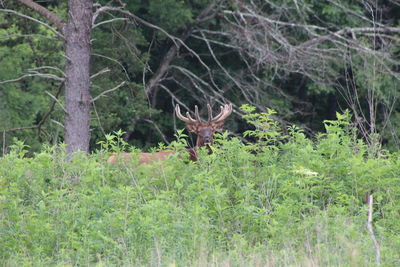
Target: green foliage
{"x": 172, "y": 14}
{"x": 297, "y": 203}
{"x": 114, "y": 142}
{"x": 24, "y": 47}
{"x": 266, "y": 128}
{"x": 125, "y": 50}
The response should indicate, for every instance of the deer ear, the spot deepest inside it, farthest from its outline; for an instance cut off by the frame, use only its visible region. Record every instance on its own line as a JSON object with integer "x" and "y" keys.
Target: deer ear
{"x": 218, "y": 127}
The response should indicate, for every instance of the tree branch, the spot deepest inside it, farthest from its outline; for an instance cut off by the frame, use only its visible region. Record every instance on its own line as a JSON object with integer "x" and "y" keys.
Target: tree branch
{"x": 45, "y": 116}
{"x": 371, "y": 230}
{"x": 35, "y": 20}
{"x": 108, "y": 91}
{"x": 50, "y": 16}
{"x": 172, "y": 52}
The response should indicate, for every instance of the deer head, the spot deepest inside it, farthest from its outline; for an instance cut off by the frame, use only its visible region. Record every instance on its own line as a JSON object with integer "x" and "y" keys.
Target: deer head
{"x": 205, "y": 129}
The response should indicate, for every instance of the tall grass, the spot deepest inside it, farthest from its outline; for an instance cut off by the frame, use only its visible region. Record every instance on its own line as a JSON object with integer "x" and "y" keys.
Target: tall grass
{"x": 284, "y": 200}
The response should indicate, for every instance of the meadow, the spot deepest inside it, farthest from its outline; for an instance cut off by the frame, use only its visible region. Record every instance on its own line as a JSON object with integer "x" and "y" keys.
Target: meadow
{"x": 282, "y": 200}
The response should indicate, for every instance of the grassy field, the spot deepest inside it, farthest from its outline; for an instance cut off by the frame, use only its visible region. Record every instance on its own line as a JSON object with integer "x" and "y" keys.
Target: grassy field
{"x": 283, "y": 200}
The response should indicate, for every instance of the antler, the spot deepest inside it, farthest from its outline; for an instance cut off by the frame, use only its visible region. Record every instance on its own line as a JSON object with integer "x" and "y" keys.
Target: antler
{"x": 188, "y": 119}
{"x": 226, "y": 110}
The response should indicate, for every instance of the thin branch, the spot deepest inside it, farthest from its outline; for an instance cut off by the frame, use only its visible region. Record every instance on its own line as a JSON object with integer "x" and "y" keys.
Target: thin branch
{"x": 178, "y": 42}
{"x": 35, "y": 74}
{"x": 21, "y": 128}
{"x": 129, "y": 14}
{"x": 115, "y": 61}
{"x": 105, "y": 70}
{"x": 45, "y": 116}
{"x": 371, "y": 230}
{"x": 56, "y": 100}
{"x": 47, "y": 76}
{"x": 17, "y": 79}
{"x": 48, "y": 67}
{"x": 50, "y": 16}
{"x": 98, "y": 118}
{"x": 223, "y": 69}
{"x": 172, "y": 52}
{"x": 34, "y": 20}
{"x": 9, "y": 36}
{"x": 58, "y": 123}
{"x": 108, "y": 21}
{"x": 174, "y": 96}
{"x": 108, "y": 91}
{"x": 158, "y": 130}
{"x": 4, "y": 142}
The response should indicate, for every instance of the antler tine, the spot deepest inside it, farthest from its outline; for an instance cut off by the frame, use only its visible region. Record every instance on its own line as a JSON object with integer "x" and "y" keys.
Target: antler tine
{"x": 186, "y": 119}
{"x": 226, "y": 110}
{"x": 209, "y": 112}
{"x": 190, "y": 117}
{"x": 196, "y": 113}
{"x": 219, "y": 114}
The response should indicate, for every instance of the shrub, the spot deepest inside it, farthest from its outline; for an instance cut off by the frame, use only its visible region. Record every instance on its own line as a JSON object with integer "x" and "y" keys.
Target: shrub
{"x": 282, "y": 200}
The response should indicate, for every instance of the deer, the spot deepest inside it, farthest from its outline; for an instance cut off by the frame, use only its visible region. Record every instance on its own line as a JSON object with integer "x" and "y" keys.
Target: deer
{"x": 203, "y": 129}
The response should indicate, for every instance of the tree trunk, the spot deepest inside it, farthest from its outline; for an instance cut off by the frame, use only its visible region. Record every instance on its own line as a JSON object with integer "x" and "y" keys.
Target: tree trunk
{"x": 77, "y": 70}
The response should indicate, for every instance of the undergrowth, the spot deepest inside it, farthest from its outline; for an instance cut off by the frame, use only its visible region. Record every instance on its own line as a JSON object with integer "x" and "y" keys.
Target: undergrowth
{"x": 282, "y": 200}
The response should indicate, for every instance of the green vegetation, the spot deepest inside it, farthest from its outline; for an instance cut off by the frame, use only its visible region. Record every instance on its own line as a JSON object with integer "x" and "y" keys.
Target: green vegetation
{"x": 282, "y": 200}
{"x": 306, "y": 59}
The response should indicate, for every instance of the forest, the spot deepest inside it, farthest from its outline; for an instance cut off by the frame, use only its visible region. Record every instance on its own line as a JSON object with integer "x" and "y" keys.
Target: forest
{"x": 305, "y": 172}
{"x": 304, "y": 59}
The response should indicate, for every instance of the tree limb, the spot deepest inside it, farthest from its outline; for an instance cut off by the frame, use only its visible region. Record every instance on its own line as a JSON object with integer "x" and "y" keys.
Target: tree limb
{"x": 45, "y": 116}
{"x": 371, "y": 230}
{"x": 172, "y": 52}
{"x": 35, "y": 20}
{"x": 50, "y": 16}
{"x": 108, "y": 91}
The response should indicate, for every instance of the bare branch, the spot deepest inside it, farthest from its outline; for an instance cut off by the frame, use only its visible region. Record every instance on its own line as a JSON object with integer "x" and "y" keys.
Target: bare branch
{"x": 34, "y": 20}
{"x": 206, "y": 14}
{"x": 98, "y": 118}
{"x": 9, "y": 36}
{"x": 34, "y": 74}
{"x": 172, "y": 52}
{"x": 45, "y": 116}
{"x": 58, "y": 123}
{"x": 35, "y": 70}
{"x": 108, "y": 21}
{"x": 50, "y": 16}
{"x": 116, "y": 62}
{"x": 158, "y": 130}
{"x": 17, "y": 79}
{"x": 105, "y": 70}
{"x": 56, "y": 100}
{"x": 174, "y": 96}
{"x": 371, "y": 230}
{"x": 133, "y": 16}
{"x": 108, "y": 91}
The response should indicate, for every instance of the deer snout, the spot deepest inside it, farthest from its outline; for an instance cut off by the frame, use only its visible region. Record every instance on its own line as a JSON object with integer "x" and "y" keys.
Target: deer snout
{"x": 207, "y": 140}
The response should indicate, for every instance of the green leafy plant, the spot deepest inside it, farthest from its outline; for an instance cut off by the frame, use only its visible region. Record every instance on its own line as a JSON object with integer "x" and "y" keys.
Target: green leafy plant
{"x": 267, "y": 130}
{"x": 246, "y": 203}
{"x": 114, "y": 142}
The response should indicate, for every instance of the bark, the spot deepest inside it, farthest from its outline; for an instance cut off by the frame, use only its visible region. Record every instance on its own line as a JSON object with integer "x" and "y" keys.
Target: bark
{"x": 77, "y": 70}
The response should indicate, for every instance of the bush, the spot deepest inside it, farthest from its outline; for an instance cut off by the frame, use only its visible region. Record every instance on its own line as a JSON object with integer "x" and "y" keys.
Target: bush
{"x": 282, "y": 200}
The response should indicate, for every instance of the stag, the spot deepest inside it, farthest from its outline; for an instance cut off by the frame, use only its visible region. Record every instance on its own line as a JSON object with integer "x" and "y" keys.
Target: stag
{"x": 203, "y": 129}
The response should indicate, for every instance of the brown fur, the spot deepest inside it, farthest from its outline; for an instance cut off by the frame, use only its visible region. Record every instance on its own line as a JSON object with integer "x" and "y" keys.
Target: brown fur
{"x": 144, "y": 158}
